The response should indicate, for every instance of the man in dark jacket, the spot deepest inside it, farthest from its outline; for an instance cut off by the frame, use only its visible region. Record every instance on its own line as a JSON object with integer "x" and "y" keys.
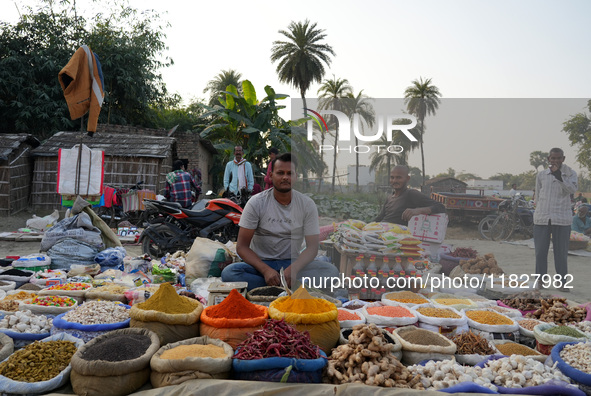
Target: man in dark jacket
{"x": 405, "y": 203}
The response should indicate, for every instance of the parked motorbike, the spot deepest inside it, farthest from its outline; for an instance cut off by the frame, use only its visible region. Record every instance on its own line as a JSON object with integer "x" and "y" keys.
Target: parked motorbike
{"x": 175, "y": 228}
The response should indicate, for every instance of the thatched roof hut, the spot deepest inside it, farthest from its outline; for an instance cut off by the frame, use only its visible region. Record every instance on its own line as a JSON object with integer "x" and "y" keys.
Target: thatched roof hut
{"x": 128, "y": 160}
{"x": 16, "y": 170}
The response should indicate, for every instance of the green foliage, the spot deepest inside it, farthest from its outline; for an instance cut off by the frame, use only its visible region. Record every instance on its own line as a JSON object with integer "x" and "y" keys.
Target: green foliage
{"x": 40, "y": 44}
{"x": 219, "y": 84}
{"x": 578, "y": 129}
{"x": 538, "y": 158}
{"x": 524, "y": 181}
{"x": 302, "y": 57}
{"x": 342, "y": 207}
{"x": 256, "y": 126}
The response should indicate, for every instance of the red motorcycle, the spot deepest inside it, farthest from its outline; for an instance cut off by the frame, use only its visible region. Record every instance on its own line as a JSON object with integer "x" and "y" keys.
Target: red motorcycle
{"x": 174, "y": 228}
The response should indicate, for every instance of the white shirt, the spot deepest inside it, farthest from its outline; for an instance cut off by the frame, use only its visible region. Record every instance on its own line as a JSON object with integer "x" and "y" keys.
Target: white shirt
{"x": 553, "y": 197}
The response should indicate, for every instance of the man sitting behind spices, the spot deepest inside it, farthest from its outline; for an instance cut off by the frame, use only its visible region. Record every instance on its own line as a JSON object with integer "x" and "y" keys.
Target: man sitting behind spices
{"x": 273, "y": 227}
{"x": 582, "y": 223}
{"x": 404, "y": 203}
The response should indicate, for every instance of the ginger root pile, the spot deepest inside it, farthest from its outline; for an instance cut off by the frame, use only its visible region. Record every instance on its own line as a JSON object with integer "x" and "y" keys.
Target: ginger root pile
{"x": 556, "y": 311}
{"x": 368, "y": 359}
{"x": 481, "y": 265}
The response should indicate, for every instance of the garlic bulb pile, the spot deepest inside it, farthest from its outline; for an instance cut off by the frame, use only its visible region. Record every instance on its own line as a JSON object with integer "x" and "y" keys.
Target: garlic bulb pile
{"x": 26, "y": 322}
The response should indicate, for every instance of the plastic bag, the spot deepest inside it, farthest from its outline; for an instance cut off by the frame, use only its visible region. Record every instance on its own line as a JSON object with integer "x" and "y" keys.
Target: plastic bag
{"x": 70, "y": 251}
{"x": 111, "y": 257}
{"x": 43, "y": 223}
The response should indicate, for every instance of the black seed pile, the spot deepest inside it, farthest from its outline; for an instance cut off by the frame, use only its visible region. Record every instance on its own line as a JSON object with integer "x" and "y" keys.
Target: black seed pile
{"x": 118, "y": 348}
{"x": 268, "y": 291}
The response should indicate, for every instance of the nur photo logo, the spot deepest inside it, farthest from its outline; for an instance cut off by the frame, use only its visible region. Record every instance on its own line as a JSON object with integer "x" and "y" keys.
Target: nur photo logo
{"x": 384, "y": 123}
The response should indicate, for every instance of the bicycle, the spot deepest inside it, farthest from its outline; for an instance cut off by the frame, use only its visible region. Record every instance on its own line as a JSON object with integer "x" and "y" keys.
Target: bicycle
{"x": 515, "y": 215}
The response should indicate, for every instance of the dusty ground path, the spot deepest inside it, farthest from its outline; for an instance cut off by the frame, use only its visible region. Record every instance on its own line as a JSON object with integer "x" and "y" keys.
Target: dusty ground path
{"x": 513, "y": 259}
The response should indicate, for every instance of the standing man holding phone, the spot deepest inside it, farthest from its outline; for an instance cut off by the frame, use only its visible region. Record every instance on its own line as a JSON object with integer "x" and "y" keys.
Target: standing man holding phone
{"x": 553, "y": 215}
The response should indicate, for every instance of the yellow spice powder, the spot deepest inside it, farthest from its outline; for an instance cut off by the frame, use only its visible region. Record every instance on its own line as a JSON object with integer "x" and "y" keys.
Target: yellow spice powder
{"x": 195, "y": 350}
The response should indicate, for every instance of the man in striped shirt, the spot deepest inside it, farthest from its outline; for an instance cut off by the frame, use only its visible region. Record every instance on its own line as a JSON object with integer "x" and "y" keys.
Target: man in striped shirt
{"x": 553, "y": 214}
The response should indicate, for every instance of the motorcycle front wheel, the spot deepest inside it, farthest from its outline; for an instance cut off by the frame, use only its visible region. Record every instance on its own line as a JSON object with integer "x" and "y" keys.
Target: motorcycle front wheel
{"x": 485, "y": 225}
{"x": 153, "y": 248}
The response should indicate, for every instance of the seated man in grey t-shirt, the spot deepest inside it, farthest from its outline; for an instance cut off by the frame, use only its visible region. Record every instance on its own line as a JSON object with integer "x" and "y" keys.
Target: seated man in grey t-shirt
{"x": 273, "y": 227}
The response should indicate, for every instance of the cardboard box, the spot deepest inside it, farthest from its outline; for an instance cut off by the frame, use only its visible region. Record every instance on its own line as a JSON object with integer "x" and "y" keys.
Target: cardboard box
{"x": 429, "y": 228}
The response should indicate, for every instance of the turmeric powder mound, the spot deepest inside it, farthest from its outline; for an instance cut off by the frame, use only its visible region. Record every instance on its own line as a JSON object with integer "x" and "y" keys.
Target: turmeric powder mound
{"x": 168, "y": 301}
{"x": 301, "y": 302}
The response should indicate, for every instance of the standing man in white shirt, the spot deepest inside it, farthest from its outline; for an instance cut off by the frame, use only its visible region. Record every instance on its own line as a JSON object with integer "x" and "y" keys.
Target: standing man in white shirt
{"x": 238, "y": 175}
{"x": 553, "y": 215}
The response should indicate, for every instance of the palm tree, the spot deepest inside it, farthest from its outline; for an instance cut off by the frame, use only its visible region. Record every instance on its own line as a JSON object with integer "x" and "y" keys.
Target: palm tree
{"x": 331, "y": 94}
{"x": 359, "y": 104}
{"x": 219, "y": 84}
{"x": 422, "y": 99}
{"x": 301, "y": 58}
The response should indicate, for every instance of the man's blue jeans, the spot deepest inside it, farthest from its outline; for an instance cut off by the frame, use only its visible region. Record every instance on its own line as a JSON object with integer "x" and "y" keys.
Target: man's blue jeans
{"x": 242, "y": 272}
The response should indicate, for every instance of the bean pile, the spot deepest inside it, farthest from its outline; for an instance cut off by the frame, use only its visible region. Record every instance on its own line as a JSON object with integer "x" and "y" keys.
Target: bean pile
{"x": 98, "y": 312}
{"x": 423, "y": 337}
{"x": 529, "y": 324}
{"x": 438, "y": 312}
{"x": 39, "y": 361}
{"x": 118, "y": 348}
{"x": 578, "y": 356}
{"x": 511, "y": 348}
{"x": 195, "y": 351}
{"x": 469, "y": 344}
{"x": 488, "y": 317}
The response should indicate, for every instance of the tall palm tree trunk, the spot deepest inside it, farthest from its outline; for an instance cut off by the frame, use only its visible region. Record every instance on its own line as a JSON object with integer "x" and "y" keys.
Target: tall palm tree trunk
{"x": 356, "y": 166}
{"x": 334, "y": 162}
{"x": 422, "y": 152}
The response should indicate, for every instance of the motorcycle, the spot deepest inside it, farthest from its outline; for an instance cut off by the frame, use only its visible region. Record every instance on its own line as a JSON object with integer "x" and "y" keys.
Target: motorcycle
{"x": 175, "y": 228}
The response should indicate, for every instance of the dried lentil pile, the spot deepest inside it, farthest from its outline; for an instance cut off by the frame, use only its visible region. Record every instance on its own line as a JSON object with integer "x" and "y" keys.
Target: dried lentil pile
{"x": 438, "y": 312}
{"x": 511, "y": 348}
{"x": 196, "y": 351}
{"x": 39, "y": 361}
{"x": 488, "y": 317}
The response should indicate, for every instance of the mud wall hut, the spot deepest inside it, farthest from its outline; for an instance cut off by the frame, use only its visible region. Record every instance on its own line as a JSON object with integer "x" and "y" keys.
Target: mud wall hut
{"x": 16, "y": 171}
{"x": 128, "y": 159}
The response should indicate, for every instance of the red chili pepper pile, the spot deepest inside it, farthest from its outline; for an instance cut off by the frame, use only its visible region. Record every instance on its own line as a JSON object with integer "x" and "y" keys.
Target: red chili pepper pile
{"x": 277, "y": 339}
{"x": 464, "y": 252}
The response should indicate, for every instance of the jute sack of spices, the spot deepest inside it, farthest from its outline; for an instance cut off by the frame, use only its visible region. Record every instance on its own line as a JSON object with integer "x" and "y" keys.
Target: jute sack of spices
{"x": 116, "y": 363}
{"x": 317, "y": 316}
{"x": 181, "y": 361}
{"x": 171, "y": 316}
{"x": 420, "y": 344}
{"x": 232, "y": 319}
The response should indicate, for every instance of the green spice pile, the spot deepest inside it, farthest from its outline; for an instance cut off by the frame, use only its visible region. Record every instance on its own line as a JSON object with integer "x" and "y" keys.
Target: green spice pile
{"x": 565, "y": 330}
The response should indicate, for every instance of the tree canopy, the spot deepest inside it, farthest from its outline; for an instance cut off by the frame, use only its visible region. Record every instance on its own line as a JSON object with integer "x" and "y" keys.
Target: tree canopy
{"x": 578, "y": 129}
{"x": 129, "y": 43}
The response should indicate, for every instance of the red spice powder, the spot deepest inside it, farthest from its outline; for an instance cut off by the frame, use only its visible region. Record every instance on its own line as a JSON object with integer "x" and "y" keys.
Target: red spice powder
{"x": 391, "y": 311}
{"x": 347, "y": 315}
{"x": 235, "y": 306}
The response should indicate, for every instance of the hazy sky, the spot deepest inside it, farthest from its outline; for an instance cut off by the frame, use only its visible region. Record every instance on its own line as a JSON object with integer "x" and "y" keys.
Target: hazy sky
{"x": 471, "y": 49}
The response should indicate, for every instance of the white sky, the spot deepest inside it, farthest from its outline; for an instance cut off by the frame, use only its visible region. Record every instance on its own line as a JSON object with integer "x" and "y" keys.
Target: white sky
{"x": 470, "y": 48}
